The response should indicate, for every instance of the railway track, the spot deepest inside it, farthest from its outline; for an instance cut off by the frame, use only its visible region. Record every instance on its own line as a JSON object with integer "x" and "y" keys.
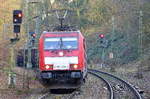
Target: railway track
{"x": 49, "y": 95}
{"x": 109, "y": 87}
{"x": 44, "y": 96}
{"x": 116, "y": 89}
{"x": 72, "y": 95}
{"x": 119, "y": 89}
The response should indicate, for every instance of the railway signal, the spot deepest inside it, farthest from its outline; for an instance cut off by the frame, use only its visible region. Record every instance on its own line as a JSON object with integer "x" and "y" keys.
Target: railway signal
{"x": 16, "y": 28}
{"x": 17, "y": 16}
{"x": 103, "y": 41}
{"x": 33, "y": 36}
{"x": 101, "y": 38}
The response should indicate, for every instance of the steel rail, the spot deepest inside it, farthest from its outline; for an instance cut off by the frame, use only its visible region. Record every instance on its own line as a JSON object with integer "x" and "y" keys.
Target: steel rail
{"x": 137, "y": 94}
{"x": 72, "y": 95}
{"x": 107, "y": 83}
{"x": 44, "y": 96}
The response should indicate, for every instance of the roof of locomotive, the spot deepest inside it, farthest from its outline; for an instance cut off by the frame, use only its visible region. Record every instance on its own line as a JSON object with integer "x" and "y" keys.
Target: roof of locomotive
{"x": 59, "y": 32}
{"x": 65, "y": 33}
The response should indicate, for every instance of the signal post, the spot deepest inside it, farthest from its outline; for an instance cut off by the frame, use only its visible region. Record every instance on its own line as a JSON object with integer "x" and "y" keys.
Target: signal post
{"x": 17, "y": 20}
{"x": 103, "y": 45}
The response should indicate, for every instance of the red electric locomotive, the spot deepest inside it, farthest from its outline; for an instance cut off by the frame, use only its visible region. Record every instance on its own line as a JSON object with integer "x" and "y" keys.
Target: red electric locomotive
{"x": 62, "y": 59}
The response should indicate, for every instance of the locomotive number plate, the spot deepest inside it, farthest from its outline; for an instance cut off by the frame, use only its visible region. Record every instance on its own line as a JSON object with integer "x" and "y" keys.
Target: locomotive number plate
{"x": 60, "y": 66}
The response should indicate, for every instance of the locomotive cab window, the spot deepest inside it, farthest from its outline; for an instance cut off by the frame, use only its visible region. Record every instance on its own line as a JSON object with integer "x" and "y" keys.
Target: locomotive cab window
{"x": 61, "y": 43}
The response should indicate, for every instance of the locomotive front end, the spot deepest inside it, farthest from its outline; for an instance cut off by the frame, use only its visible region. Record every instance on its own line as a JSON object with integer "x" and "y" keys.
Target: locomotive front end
{"x": 62, "y": 60}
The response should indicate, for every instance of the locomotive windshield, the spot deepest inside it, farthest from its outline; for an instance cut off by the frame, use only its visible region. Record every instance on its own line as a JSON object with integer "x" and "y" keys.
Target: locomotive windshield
{"x": 60, "y": 43}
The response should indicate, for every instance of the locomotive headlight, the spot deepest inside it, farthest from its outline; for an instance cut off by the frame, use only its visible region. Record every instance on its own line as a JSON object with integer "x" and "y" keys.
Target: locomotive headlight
{"x": 47, "y": 66}
{"x": 61, "y": 54}
{"x": 75, "y": 66}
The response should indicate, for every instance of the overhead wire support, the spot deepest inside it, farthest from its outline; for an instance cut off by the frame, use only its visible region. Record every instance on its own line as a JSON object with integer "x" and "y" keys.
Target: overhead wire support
{"x": 57, "y": 15}
{"x": 112, "y": 44}
{"x": 139, "y": 72}
{"x": 140, "y": 32}
{"x": 112, "y": 33}
{"x": 29, "y": 65}
{"x": 61, "y": 18}
{"x": 37, "y": 27}
{"x": 28, "y": 46}
{"x": 66, "y": 12}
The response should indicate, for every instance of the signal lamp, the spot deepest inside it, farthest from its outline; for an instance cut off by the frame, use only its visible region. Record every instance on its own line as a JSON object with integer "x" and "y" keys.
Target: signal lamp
{"x": 15, "y": 20}
{"x": 19, "y": 15}
{"x": 101, "y": 35}
{"x": 33, "y": 35}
